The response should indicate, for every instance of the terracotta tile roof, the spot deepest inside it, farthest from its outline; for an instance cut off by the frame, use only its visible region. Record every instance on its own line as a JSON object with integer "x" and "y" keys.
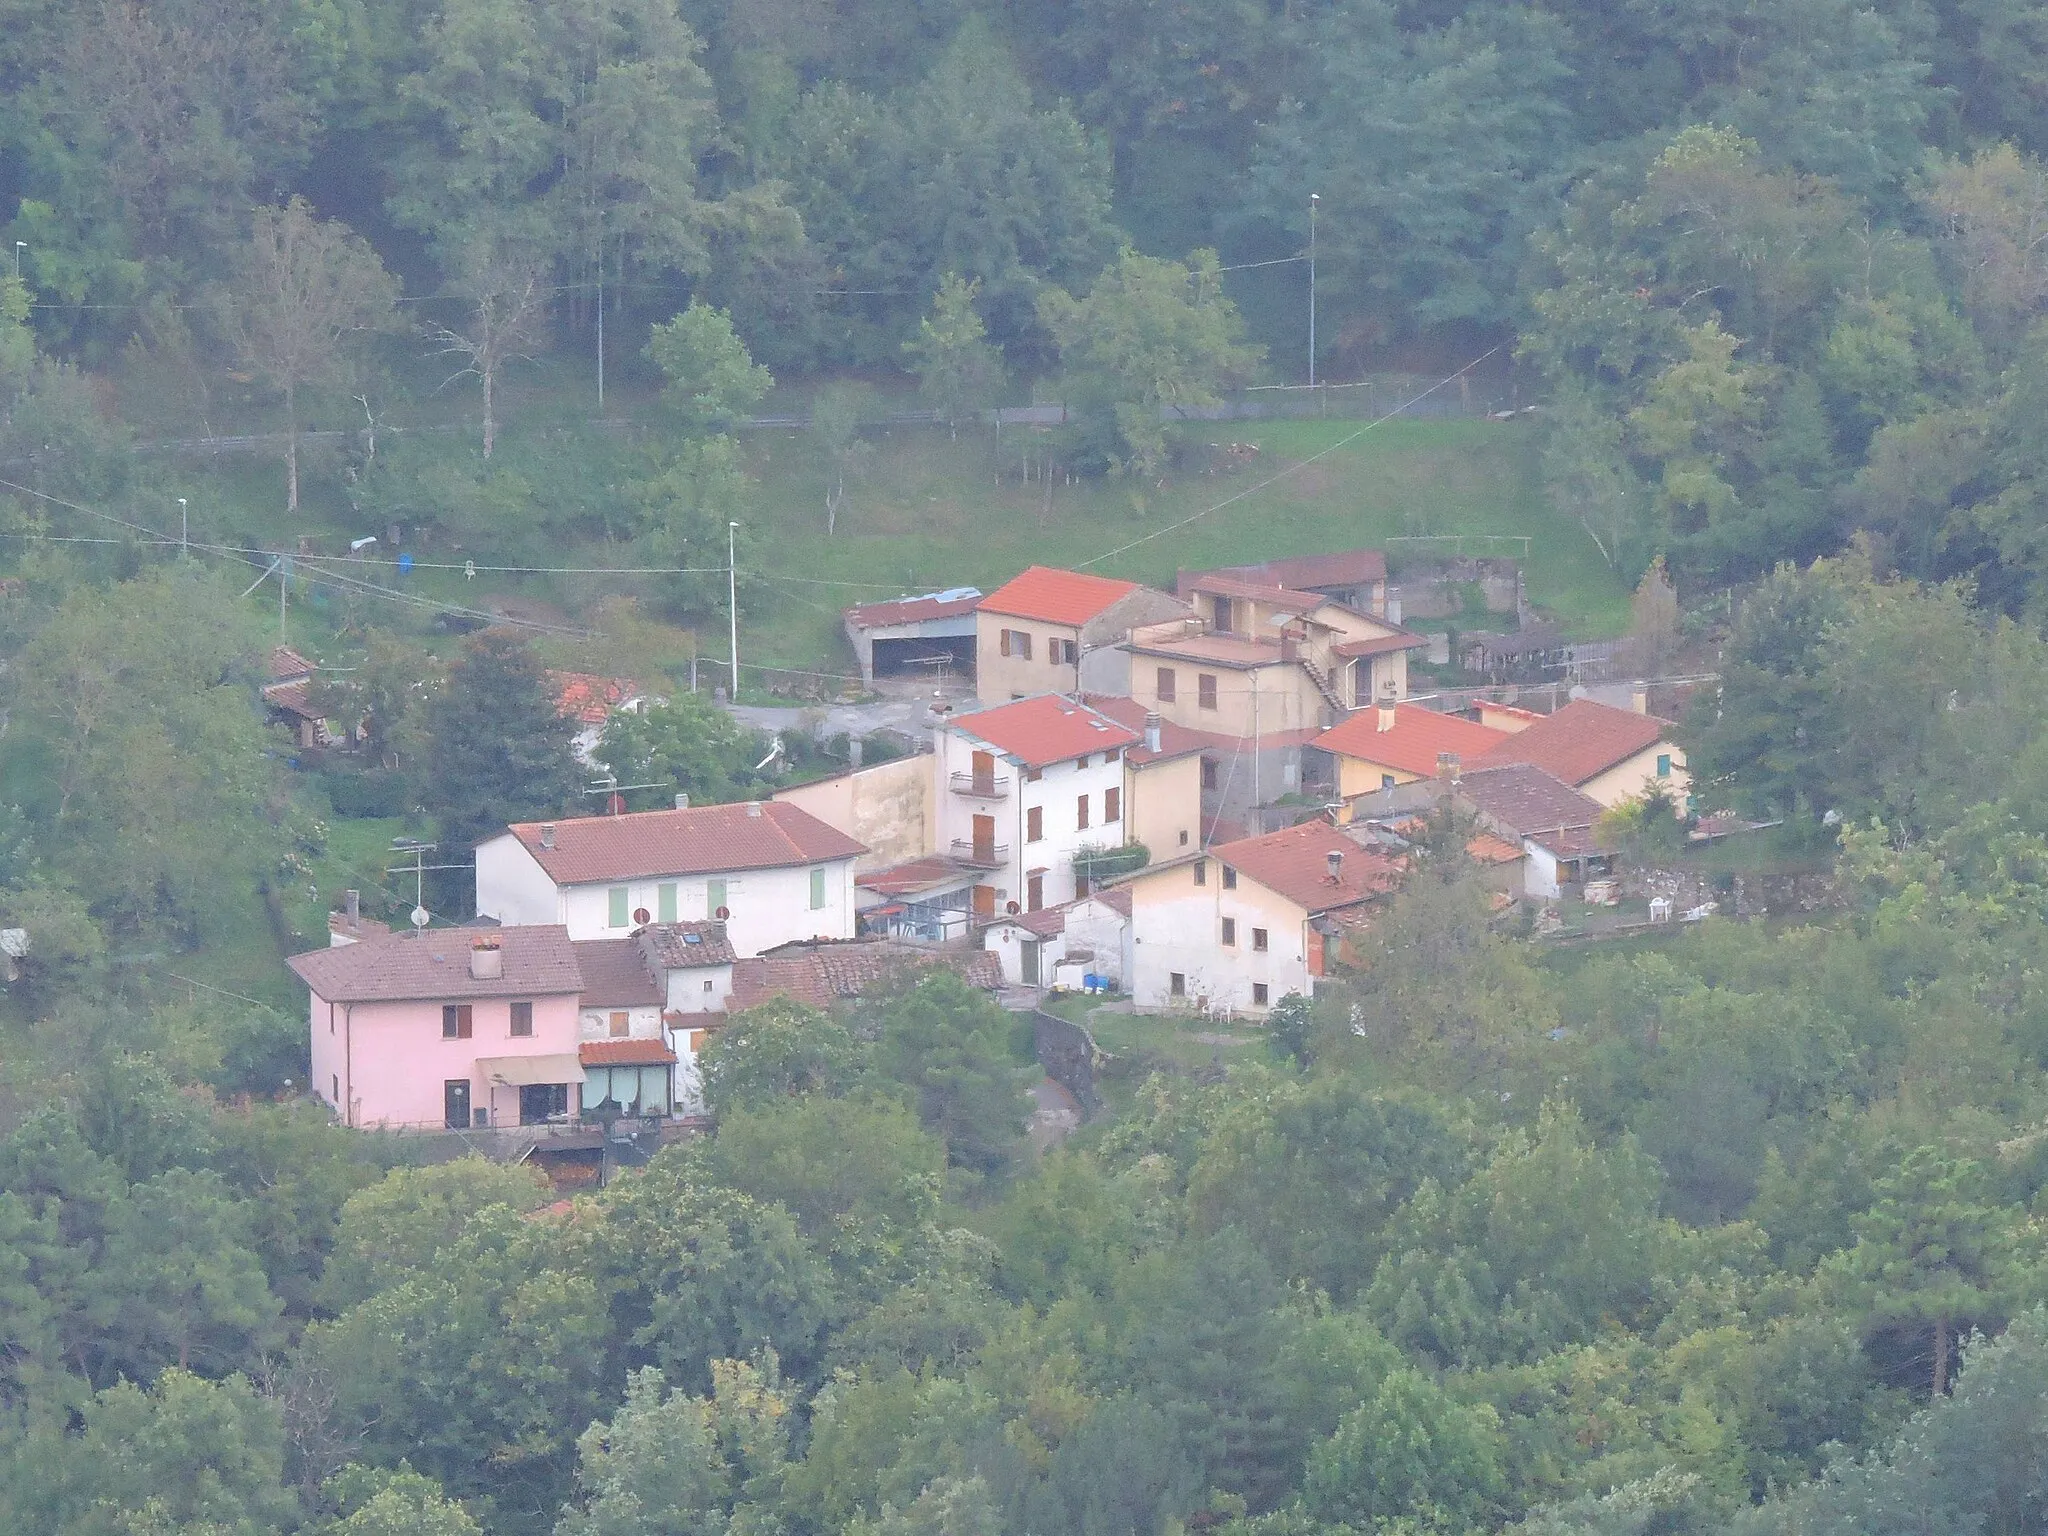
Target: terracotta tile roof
{"x": 625, "y": 1053}
{"x": 1580, "y": 742}
{"x": 1056, "y": 597}
{"x": 615, "y": 974}
{"x": 1226, "y": 585}
{"x": 1485, "y": 848}
{"x": 1117, "y": 899}
{"x": 285, "y": 663}
{"x": 827, "y": 973}
{"x": 1412, "y": 746}
{"x": 1214, "y": 650}
{"x": 291, "y": 698}
{"x": 1045, "y": 729}
{"x": 1174, "y": 740}
{"x": 537, "y": 961}
{"x": 1309, "y": 573}
{"x": 687, "y": 946}
{"x": 1523, "y": 800}
{"x": 932, "y": 872}
{"x": 1294, "y": 863}
{"x": 1381, "y": 645}
{"x": 703, "y": 839}
{"x": 590, "y": 698}
{"x": 914, "y": 610}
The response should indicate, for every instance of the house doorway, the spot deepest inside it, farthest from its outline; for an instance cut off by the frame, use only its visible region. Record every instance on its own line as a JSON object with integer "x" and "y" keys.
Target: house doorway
{"x": 984, "y": 901}
{"x": 984, "y": 839}
{"x": 455, "y": 1103}
{"x": 540, "y": 1103}
{"x": 1027, "y": 961}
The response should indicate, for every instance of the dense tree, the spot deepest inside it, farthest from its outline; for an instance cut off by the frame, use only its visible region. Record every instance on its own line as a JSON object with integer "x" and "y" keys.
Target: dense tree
{"x": 498, "y": 751}
{"x": 958, "y": 371}
{"x": 684, "y": 745}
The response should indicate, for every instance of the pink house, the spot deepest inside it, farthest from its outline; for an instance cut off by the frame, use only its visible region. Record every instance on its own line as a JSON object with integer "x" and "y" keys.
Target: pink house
{"x": 449, "y": 1028}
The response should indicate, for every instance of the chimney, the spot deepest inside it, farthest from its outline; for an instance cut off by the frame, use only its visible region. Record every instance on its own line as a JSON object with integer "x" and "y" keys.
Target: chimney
{"x": 547, "y": 834}
{"x": 855, "y": 750}
{"x": 1386, "y": 714}
{"x": 1335, "y": 859}
{"x": 1448, "y": 768}
{"x": 352, "y": 904}
{"x": 682, "y": 801}
{"x": 754, "y": 809}
{"x": 486, "y": 959}
{"x": 1393, "y": 609}
{"x": 1639, "y": 697}
{"x": 1152, "y": 726}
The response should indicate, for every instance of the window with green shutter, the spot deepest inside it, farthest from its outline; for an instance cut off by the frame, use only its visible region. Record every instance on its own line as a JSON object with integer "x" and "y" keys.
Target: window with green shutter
{"x": 665, "y": 902}
{"x": 714, "y": 897}
{"x": 616, "y": 915}
{"x": 817, "y": 889}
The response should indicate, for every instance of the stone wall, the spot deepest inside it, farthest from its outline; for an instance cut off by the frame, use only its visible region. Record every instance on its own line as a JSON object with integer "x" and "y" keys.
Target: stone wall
{"x": 1068, "y": 1054}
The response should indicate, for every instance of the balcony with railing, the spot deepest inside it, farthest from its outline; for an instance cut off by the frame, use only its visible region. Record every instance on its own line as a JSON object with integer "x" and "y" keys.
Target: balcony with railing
{"x": 981, "y": 855}
{"x": 981, "y": 786}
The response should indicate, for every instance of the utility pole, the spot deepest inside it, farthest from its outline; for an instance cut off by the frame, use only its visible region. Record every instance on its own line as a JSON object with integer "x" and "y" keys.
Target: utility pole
{"x": 732, "y": 600}
{"x": 1313, "y": 201}
{"x": 284, "y": 586}
{"x": 184, "y": 529}
{"x": 600, "y": 327}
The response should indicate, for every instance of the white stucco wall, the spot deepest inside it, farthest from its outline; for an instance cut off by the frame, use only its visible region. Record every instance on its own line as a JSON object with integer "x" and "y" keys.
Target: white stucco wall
{"x": 769, "y": 906}
{"x": 1056, "y": 792}
{"x": 700, "y": 989}
{"x": 1177, "y": 925}
{"x": 512, "y": 887}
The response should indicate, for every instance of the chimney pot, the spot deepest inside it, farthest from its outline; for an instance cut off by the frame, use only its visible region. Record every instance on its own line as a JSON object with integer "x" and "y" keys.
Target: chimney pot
{"x": 682, "y": 801}
{"x": 1386, "y": 714}
{"x": 754, "y": 809}
{"x": 1152, "y": 730}
{"x": 547, "y": 834}
{"x": 486, "y": 960}
{"x": 1335, "y": 858}
{"x": 1639, "y": 697}
{"x": 352, "y": 903}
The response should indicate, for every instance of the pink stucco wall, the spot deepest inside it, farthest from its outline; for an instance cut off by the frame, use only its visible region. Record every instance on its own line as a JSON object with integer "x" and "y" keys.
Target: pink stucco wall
{"x": 386, "y": 1063}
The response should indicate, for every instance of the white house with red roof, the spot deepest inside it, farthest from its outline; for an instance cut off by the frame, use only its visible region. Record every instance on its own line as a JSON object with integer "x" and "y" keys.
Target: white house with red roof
{"x": 1024, "y": 788}
{"x": 1612, "y": 755}
{"x": 590, "y": 701}
{"x": 772, "y": 873}
{"x": 1048, "y": 630}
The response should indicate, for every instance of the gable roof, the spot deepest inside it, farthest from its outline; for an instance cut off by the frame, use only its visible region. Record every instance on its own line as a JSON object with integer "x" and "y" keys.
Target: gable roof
{"x": 698, "y": 840}
{"x": 1580, "y": 742}
{"x": 822, "y": 974}
{"x": 1307, "y": 573}
{"x": 1174, "y": 740}
{"x": 914, "y": 610}
{"x": 1524, "y": 800}
{"x": 1044, "y": 729}
{"x": 284, "y": 664}
{"x": 1295, "y": 863}
{"x": 587, "y": 697}
{"x": 1055, "y": 596}
{"x": 615, "y": 974}
{"x": 537, "y": 961}
{"x": 1413, "y": 744}
{"x": 687, "y": 946}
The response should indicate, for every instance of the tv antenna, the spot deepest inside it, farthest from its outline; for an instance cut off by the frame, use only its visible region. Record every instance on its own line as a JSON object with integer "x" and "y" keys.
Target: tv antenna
{"x": 402, "y": 847}
{"x": 611, "y": 786}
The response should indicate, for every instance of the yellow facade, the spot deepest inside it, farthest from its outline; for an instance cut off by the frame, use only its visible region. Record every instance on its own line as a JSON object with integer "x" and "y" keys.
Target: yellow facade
{"x": 1165, "y": 805}
{"x": 1021, "y": 669}
{"x": 1628, "y": 780}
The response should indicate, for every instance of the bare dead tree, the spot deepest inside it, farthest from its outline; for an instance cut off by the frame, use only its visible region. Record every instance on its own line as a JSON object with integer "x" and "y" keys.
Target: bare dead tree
{"x": 506, "y": 289}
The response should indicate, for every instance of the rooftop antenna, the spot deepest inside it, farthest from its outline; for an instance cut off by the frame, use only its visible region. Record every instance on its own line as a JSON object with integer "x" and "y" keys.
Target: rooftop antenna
{"x": 612, "y": 787}
{"x": 402, "y": 846}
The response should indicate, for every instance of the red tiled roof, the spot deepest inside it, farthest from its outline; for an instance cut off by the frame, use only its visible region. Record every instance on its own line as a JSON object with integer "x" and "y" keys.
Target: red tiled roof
{"x": 625, "y": 1053}
{"x": 536, "y": 961}
{"x": 291, "y": 698}
{"x": 1117, "y": 898}
{"x": 1056, "y": 597}
{"x": 1521, "y": 799}
{"x": 687, "y": 946}
{"x": 587, "y": 697}
{"x": 1294, "y": 863}
{"x": 934, "y": 871}
{"x": 911, "y": 610}
{"x": 1308, "y": 573}
{"x": 287, "y": 663}
{"x": 702, "y": 839}
{"x": 1174, "y": 740}
{"x": 823, "y": 974}
{"x": 1045, "y": 729}
{"x": 1228, "y": 585}
{"x": 1380, "y": 645}
{"x": 1485, "y": 848}
{"x": 1579, "y": 742}
{"x": 615, "y": 974}
{"x": 1413, "y": 744}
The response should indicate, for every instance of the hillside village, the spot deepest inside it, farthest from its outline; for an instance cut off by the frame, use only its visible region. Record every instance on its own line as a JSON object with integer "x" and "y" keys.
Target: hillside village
{"x": 1195, "y": 802}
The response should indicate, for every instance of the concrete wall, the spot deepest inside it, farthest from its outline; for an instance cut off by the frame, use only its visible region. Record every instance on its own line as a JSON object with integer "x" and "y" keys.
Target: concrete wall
{"x": 386, "y": 1063}
{"x": 699, "y": 989}
{"x": 890, "y": 807}
{"x": 512, "y": 887}
{"x": 1163, "y": 805}
{"x": 1176, "y": 926}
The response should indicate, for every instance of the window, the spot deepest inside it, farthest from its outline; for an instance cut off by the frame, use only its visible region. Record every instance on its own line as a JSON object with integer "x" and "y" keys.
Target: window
{"x": 714, "y": 898}
{"x": 707, "y": 984}
{"x": 615, "y": 900}
{"x": 1034, "y": 893}
{"x": 1015, "y": 642}
{"x": 1208, "y": 773}
{"x": 1258, "y": 994}
{"x": 1183, "y": 837}
{"x": 665, "y": 902}
{"x": 817, "y": 889}
{"x": 1201, "y": 871}
{"x": 1081, "y": 762}
{"x": 1112, "y": 754}
{"x": 335, "y": 1097}
{"x": 1062, "y": 651}
{"x": 1112, "y": 805}
{"x": 1165, "y": 689}
{"x": 1259, "y": 941}
{"x": 1205, "y": 690}
{"x": 1176, "y": 984}
{"x": 621, "y": 1023}
{"x": 1033, "y": 775}
{"x": 522, "y": 1020}
{"x": 1229, "y": 878}
{"x": 1663, "y": 765}
{"x": 1081, "y": 813}
{"x": 1386, "y": 781}
{"x": 1034, "y": 824}
{"x": 456, "y": 1021}
{"x": 1230, "y": 933}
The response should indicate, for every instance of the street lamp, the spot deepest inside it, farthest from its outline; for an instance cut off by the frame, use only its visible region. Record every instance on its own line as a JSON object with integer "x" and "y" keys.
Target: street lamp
{"x": 732, "y": 600}
{"x": 19, "y": 247}
{"x": 1314, "y": 201}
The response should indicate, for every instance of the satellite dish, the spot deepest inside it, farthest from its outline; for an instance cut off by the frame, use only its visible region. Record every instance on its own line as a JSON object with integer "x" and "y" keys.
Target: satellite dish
{"x": 1012, "y": 908}
{"x": 421, "y": 917}
{"x": 722, "y": 913}
{"x": 642, "y": 917}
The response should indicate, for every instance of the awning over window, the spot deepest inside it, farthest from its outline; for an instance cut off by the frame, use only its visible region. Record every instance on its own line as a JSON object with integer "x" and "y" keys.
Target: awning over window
{"x": 625, "y": 1053}
{"x": 519, "y": 1071}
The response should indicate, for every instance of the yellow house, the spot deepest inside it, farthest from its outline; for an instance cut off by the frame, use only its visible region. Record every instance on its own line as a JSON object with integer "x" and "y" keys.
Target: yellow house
{"x": 1394, "y": 744}
{"x": 1261, "y": 661}
{"x": 1162, "y": 779}
{"x": 1234, "y": 930}
{"x": 1051, "y": 631}
{"x": 1611, "y": 755}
